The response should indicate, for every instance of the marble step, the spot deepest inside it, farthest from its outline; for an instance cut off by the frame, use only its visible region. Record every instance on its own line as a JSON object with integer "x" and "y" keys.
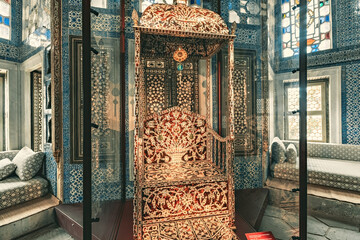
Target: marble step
{"x": 27, "y": 217}
{"x": 50, "y": 232}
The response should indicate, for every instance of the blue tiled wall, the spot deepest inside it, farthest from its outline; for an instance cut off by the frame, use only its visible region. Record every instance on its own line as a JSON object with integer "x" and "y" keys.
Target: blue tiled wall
{"x": 107, "y": 24}
{"x": 248, "y": 169}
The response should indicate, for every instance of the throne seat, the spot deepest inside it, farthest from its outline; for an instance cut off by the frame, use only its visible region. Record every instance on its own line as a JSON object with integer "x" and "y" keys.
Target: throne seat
{"x": 170, "y": 173}
{"x": 184, "y": 172}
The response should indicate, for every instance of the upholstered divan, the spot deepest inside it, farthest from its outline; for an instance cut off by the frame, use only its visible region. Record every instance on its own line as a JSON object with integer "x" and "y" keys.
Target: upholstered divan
{"x": 14, "y": 191}
{"x": 332, "y": 165}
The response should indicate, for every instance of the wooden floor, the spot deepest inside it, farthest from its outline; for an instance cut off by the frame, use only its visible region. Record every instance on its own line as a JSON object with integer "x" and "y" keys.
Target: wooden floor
{"x": 116, "y": 217}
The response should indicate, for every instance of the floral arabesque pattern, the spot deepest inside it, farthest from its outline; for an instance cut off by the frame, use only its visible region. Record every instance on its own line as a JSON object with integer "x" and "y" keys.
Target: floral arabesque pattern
{"x": 176, "y": 135}
{"x": 183, "y": 18}
{"x": 185, "y": 201}
{"x": 205, "y": 228}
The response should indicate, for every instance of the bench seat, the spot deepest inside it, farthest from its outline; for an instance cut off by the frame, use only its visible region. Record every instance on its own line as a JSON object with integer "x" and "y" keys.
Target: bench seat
{"x": 14, "y": 191}
{"x": 344, "y": 174}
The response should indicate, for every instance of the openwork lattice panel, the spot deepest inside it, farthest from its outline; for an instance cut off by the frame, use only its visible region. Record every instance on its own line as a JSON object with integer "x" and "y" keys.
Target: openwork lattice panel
{"x": 201, "y": 228}
{"x": 156, "y": 93}
{"x": 176, "y": 135}
{"x": 37, "y": 109}
{"x": 244, "y": 103}
{"x": 163, "y": 45}
{"x": 187, "y": 96}
{"x": 185, "y": 201}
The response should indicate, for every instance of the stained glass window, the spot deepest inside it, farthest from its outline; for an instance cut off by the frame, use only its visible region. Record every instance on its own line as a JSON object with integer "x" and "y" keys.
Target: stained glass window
{"x": 318, "y": 26}
{"x": 195, "y": 3}
{"x": 244, "y": 11}
{"x": 145, "y": 3}
{"x": 99, "y": 3}
{"x": 317, "y": 111}
{"x": 5, "y": 11}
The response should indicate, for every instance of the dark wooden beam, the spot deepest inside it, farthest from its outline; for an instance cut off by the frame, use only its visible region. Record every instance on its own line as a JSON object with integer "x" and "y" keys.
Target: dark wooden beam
{"x": 86, "y": 40}
{"x": 303, "y": 119}
{"x": 122, "y": 99}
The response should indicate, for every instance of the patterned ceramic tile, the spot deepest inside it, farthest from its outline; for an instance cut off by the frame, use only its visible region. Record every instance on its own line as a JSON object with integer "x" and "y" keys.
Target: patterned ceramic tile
{"x": 8, "y": 51}
{"x": 348, "y": 22}
{"x": 247, "y": 36}
{"x": 247, "y": 171}
{"x": 50, "y": 168}
{"x": 352, "y": 106}
{"x": 103, "y": 22}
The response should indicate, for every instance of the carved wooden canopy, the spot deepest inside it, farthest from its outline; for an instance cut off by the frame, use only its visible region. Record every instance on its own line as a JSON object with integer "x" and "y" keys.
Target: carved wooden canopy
{"x": 164, "y": 28}
{"x": 183, "y": 18}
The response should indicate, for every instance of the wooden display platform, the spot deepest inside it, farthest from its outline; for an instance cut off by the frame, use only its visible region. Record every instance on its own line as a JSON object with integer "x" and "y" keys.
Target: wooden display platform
{"x": 116, "y": 218}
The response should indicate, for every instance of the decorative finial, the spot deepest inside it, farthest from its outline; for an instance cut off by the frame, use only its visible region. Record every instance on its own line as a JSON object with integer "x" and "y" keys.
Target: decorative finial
{"x": 233, "y": 28}
{"x": 135, "y": 17}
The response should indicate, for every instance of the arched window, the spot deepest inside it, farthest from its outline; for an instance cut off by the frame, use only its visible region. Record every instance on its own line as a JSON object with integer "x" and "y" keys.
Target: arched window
{"x": 5, "y": 12}
{"x": 318, "y": 26}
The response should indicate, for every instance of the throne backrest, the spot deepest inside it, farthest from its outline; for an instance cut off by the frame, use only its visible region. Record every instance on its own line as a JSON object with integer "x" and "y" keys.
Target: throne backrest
{"x": 175, "y": 135}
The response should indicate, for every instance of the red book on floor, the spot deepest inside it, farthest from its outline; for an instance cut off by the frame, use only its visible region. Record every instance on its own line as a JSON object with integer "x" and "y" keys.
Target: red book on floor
{"x": 260, "y": 236}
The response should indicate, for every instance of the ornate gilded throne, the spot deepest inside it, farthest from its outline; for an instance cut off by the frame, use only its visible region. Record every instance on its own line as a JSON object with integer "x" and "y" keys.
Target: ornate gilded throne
{"x": 183, "y": 169}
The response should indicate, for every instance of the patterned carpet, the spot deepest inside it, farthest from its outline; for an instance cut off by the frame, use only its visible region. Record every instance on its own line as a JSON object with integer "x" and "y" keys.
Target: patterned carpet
{"x": 207, "y": 228}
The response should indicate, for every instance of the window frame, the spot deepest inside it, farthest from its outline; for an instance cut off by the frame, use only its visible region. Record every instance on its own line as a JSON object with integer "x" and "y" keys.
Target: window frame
{"x": 10, "y": 25}
{"x": 324, "y": 83}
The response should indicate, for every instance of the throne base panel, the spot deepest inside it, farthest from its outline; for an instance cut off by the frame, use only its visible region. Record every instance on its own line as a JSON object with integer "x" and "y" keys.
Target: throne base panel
{"x": 185, "y": 201}
{"x": 205, "y": 228}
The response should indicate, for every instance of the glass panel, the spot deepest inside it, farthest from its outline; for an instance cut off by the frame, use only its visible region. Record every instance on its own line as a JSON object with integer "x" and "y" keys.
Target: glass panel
{"x": 105, "y": 81}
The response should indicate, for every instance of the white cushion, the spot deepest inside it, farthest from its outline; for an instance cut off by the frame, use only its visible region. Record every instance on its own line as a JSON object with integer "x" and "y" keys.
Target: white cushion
{"x": 28, "y": 163}
{"x": 278, "y": 151}
{"x": 291, "y": 153}
{"x": 6, "y": 168}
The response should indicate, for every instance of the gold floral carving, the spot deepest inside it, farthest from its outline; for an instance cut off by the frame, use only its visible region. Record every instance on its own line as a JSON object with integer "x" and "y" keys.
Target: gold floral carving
{"x": 183, "y": 168}
{"x": 198, "y": 228}
{"x": 184, "y": 201}
{"x": 183, "y": 18}
{"x": 175, "y": 135}
{"x": 37, "y": 108}
{"x": 56, "y": 92}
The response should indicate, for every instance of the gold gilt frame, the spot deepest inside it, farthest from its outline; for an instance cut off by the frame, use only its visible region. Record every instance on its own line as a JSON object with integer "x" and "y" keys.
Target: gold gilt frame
{"x": 159, "y": 38}
{"x": 56, "y": 92}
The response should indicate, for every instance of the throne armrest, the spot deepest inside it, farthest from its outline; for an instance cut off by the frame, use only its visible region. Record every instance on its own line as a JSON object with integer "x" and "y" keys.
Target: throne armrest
{"x": 220, "y": 150}
{"x": 217, "y": 136}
